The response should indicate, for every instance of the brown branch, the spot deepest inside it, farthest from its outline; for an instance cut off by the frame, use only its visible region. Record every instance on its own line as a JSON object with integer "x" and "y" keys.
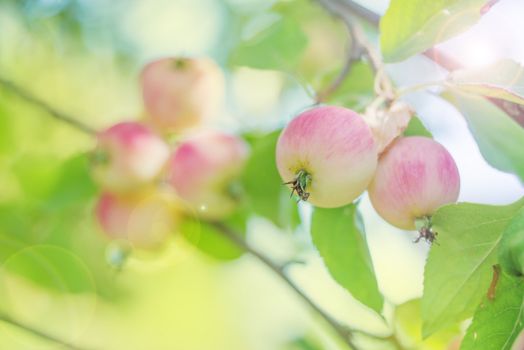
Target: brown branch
{"x": 24, "y": 94}
{"x": 7, "y": 319}
{"x": 515, "y": 111}
{"x": 363, "y": 49}
{"x": 360, "y": 48}
{"x": 344, "y": 332}
{"x": 353, "y": 55}
{"x": 339, "y": 79}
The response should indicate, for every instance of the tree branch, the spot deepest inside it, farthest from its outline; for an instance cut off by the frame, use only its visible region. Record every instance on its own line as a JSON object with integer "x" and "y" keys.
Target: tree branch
{"x": 7, "y": 319}
{"x": 344, "y": 332}
{"x": 22, "y": 93}
{"x": 359, "y": 48}
{"x": 353, "y": 55}
{"x": 515, "y": 111}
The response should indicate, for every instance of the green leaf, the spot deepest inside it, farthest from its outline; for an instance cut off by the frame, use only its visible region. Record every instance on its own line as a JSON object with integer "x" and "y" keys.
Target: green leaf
{"x": 210, "y": 241}
{"x": 503, "y": 80}
{"x": 497, "y": 322}
{"x": 303, "y": 343}
{"x": 339, "y": 237}
{"x": 416, "y": 128}
{"x": 497, "y": 135}
{"x": 74, "y": 184}
{"x": 511, "y": 250}
{"x": 9, "y": 245}
{"x": 6, "y": 133}
{"x": 279, "y": 46}
{"x": 36, "y": 174}
{"x": 52, "y": 267}
{"x": 412, "y": 26}
{"x": 266, "y": 195}
{"x": 407, "y": 328}
{"x": 355, "y": 92}
{"x": 458, "y": 269}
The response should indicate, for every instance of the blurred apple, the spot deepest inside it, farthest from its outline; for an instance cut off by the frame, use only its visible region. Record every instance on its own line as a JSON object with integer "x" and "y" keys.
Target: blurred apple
{"x": 128, "y": 156}
{"x": 145, "y": 220}
{"x": 204, "y": 171}
{"x": 180, "y": 93}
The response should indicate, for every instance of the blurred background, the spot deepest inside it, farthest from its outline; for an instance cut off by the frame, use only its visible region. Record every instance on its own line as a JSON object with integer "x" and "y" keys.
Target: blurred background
{"x": 83, "y": 57}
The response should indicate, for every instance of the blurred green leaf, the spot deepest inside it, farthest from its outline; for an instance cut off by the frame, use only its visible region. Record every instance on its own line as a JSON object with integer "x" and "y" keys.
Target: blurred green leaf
{"x": 266, "y": 195}
{"x": 36, "y": 174}
{"x": 412, "y": 26}
{"x": 6, "y": 134}
{"x": 52, "y": 267}
{"x": 303, "y": 343}
{"x": 74, "y": 184}
{"x": 207, "y": 239}
{"x": 356, "y": 91}
{"x": 279, "y": 46}
{"x": 55, "y": 210}
{"x": 458, "y": 269}
{"x": 16, "y": 220}
{"x": 407, "y": 327}
{"x": 511, "y": 249}
{"x": 416, "y": 128}
{"x": 338, "y": 235}
{"x": 497, "y": 322}
{"x": 503, "y": 80}
{"x": 9, "y": 245}
{"x": 499, "y": 137}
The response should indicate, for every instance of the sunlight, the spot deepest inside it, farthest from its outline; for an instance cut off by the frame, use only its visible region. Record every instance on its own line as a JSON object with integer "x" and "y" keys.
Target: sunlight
{"x": 476, "y": 53}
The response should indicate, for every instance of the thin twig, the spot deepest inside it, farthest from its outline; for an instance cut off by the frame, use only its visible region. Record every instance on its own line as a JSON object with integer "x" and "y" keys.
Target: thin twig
{"x": 360, "y": 48}
{"x": 442, "y": 59}
{"x": 339, "y": 79}
{"x": 24, "y": 94}
{"x": 7, "y": 319}
{"x": 344, "y": 332}
{"x": 353, "y": 55}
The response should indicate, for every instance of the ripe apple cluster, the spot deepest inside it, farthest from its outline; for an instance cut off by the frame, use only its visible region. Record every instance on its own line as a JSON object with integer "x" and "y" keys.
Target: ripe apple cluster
{"x": 147, "y": 184}
{"x": 329, "y": 156}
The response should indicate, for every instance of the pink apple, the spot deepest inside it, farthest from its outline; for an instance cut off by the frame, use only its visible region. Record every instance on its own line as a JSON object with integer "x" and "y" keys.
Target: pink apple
{"x": 204, "y": 170}
{"x": 180, "y": 93}
{"x": 415, "y": 176}
{"x": 144, "y": 219}
{"x": 519, "y": 342}
{"x": 128, "y": 156}
{"x": 327, "y": 155}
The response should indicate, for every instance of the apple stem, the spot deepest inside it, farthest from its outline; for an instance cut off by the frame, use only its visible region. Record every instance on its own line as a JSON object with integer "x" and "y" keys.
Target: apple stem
{"x": 235, "y": 190}
{"x": 99, "y": 157}
{"x": 179, "y": 63}
{"x": 299, "y": 185}
{"x": 424, "y": 227}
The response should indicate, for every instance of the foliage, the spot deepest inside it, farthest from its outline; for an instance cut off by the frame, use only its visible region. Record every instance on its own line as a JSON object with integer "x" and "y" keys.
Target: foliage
{"x": 265, "y": 194}
{"x": 498, "y": 321}
{"x": 407, "y": 322}
{"x": 279, "y": 46}
{"x": 458, "y": 270}
{"x": 48, "y": 237}
{"x": 412, "y": 26}
{"x": 416, "y": 128}
{"x": 503, "y": 80}
{"x": 495, "y": 132}
{"x": 338, "y": 234}
{"x": 206, "y": 238}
